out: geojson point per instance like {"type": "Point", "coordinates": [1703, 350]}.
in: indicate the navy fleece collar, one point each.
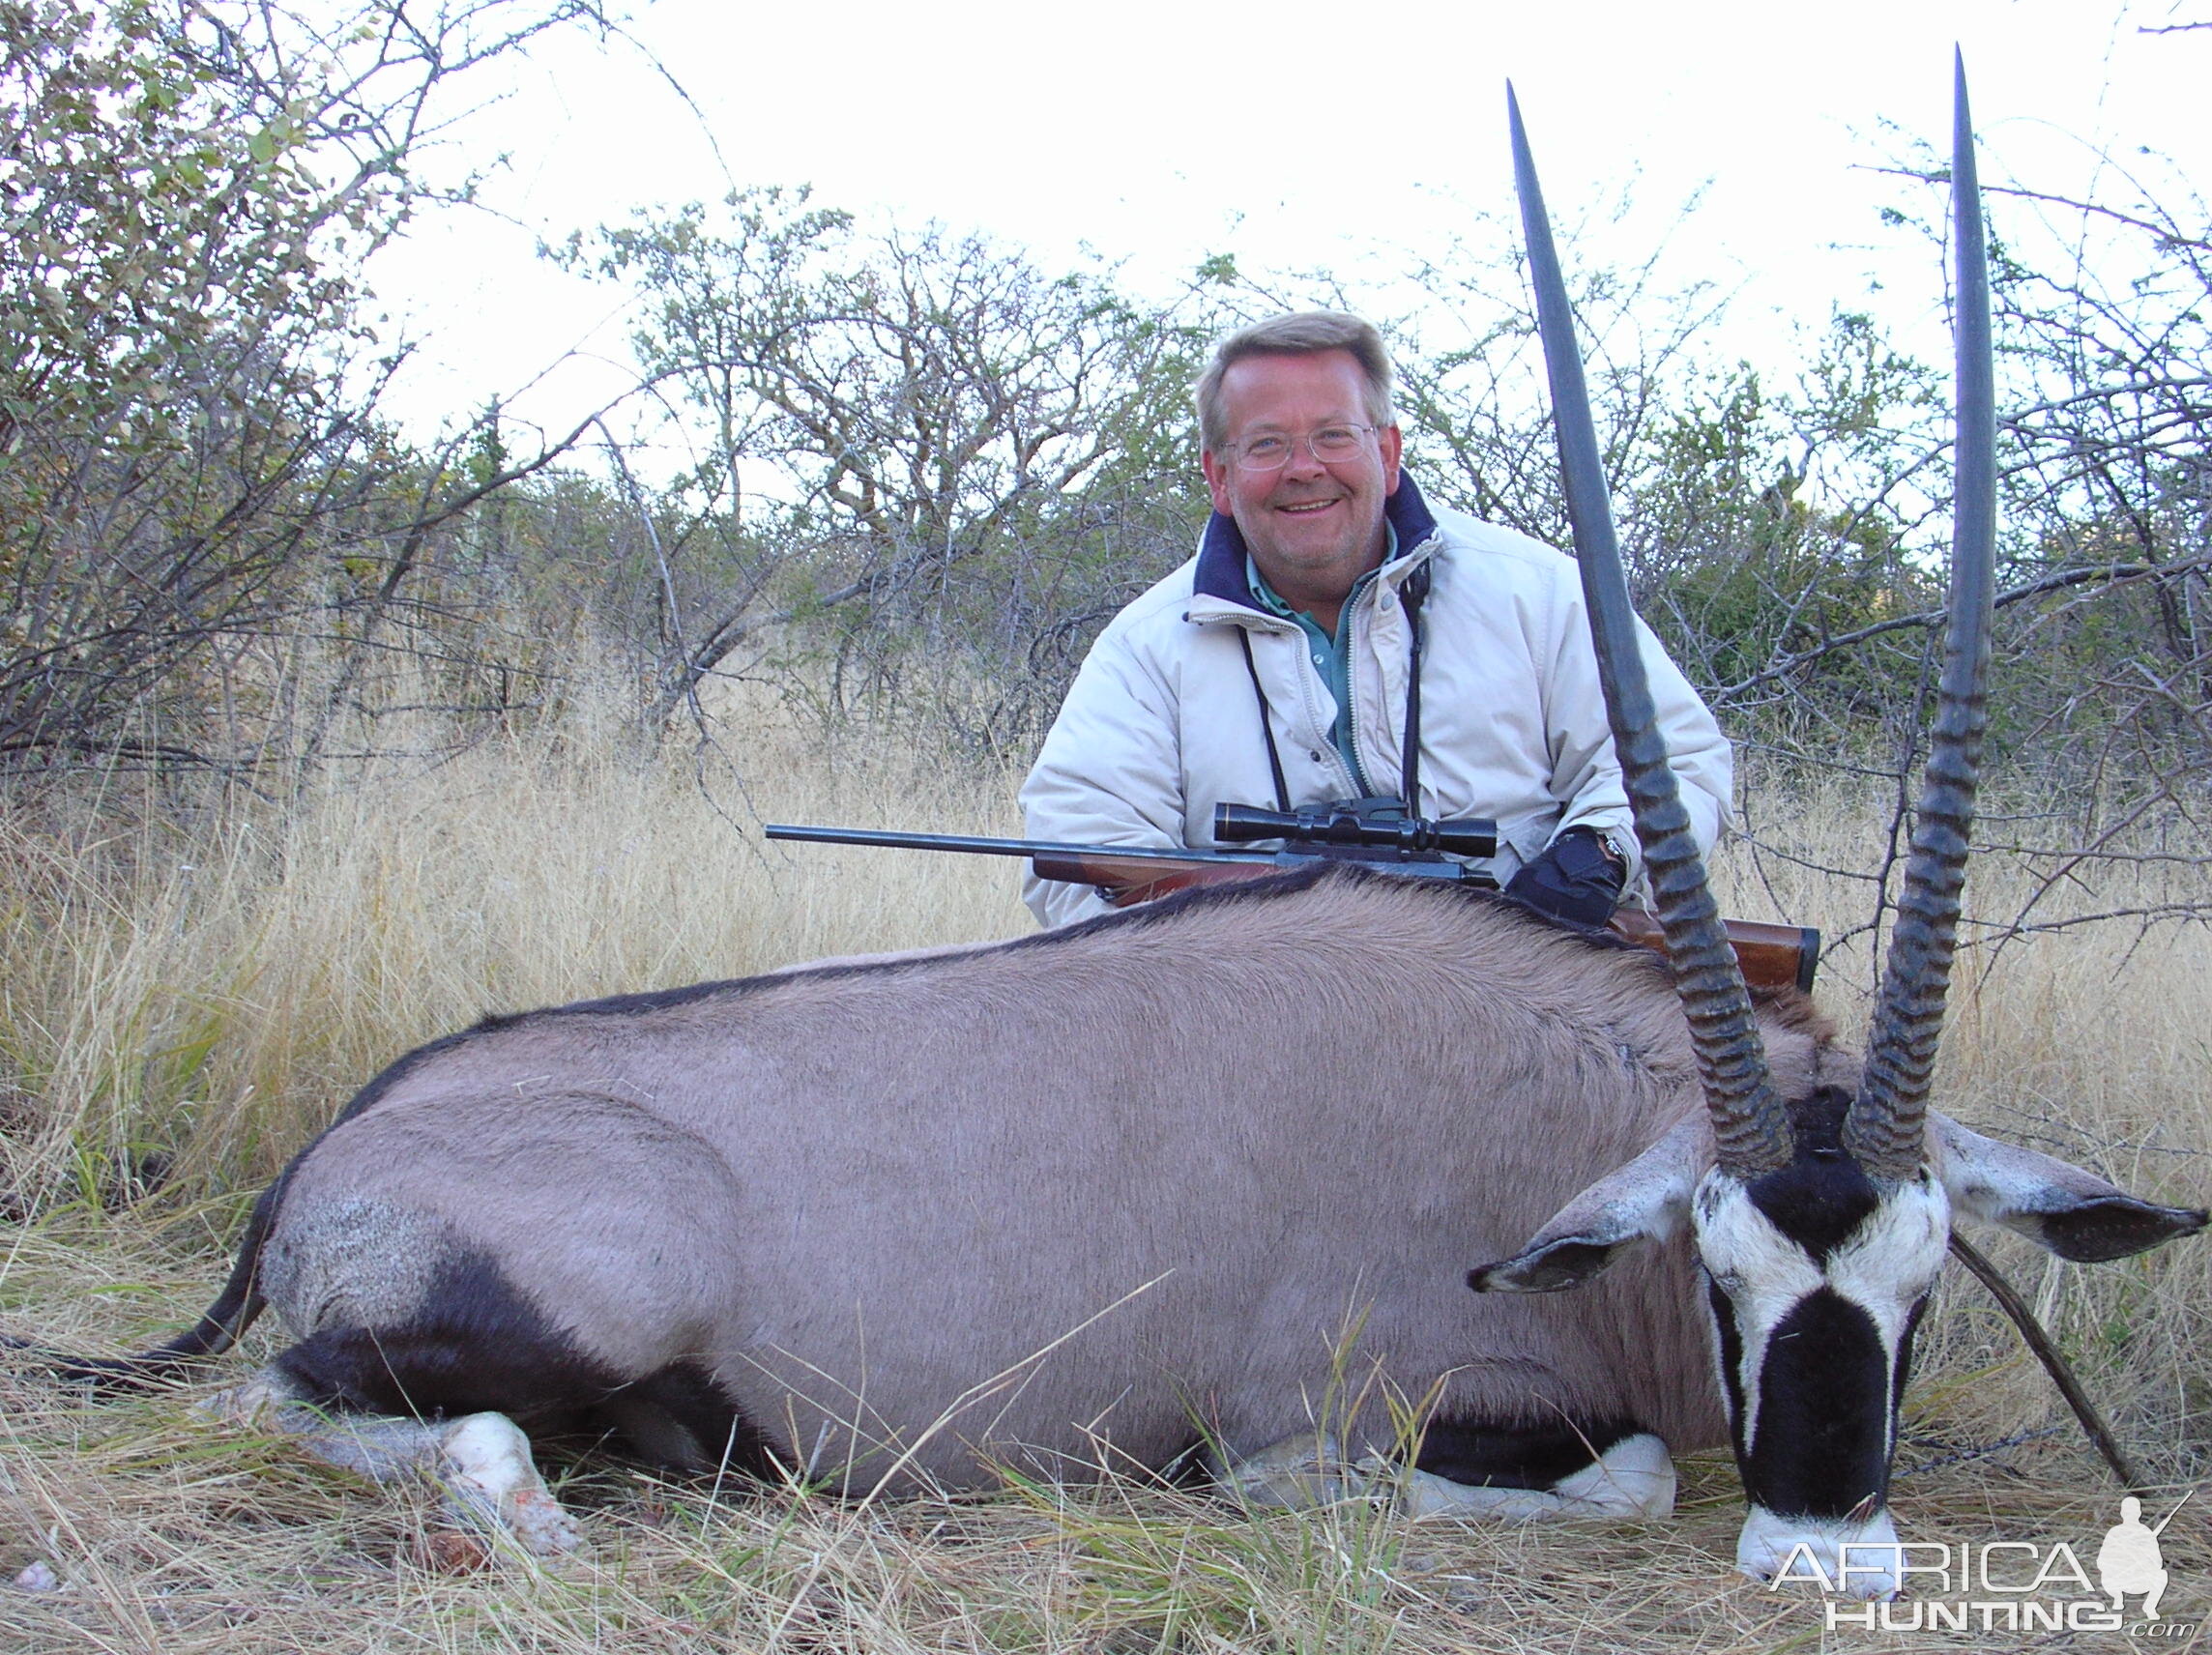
{"type": "Point", "coordinates": [1221, 551]}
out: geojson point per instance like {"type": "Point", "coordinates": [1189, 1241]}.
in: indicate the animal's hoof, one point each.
{"type": "Point", "coordinates": [1634, 1479]}
{"type": "Point", "coordinates": [490, 1478]}
{"type": "Point", "coordinates": [543, 1527]}
{"type": "Point", "coordinates": [1297, 1474]}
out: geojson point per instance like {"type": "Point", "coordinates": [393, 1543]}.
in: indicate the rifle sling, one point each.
{"type": "Point", "coordinates": [1266, 724]}
{"type": "Point", "coordinates": [1414, 591]}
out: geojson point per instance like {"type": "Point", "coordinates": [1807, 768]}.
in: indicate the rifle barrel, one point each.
{"type": "Point", "coordinates": [985, 847]}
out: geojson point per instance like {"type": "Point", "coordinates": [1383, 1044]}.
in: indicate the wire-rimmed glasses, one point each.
{"type": "Point", "coordinates": [1331, 445]}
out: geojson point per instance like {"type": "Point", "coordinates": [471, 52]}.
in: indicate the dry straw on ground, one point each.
{"type": "Point", "coordinates": [186, 999]}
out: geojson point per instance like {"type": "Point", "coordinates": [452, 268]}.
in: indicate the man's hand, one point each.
{"type": "Point", "coordinates": [1578, 879]}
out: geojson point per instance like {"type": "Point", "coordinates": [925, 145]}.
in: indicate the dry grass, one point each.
{"type": "Point", "coordinates": [211, 995]}
{"type": "Point", "coordinates": [212, 992]}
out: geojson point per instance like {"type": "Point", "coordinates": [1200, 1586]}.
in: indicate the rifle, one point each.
{"type": "Point", "coordinates": [1770, 955]}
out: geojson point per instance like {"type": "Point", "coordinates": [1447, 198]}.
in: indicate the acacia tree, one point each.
{"type": "Point", "coordinates": [2114, 361]}
{"type": "Point", "coordinates": [945, 444]}
{"type": "Point", "coordinates": [2102, 689]}
{"type": "Point", "coordinates": [1472, 377]}
{"type": "Point", "coordinates": [188, 391]}
{"type": "Point", "coordinates": [1766, 517]}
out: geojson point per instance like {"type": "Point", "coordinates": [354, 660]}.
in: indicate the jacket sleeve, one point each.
{"type": "Point", "coordinates": [1587, 779]}
{"type": "Point", "coordinates": [1110, 772]}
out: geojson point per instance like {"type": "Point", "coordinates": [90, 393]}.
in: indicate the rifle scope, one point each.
{"type": "Point", "coordinates": [1342, 824]}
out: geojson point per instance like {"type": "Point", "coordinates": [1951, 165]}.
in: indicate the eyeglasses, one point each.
{"type": "Point", "coordinates": [1331, 445]}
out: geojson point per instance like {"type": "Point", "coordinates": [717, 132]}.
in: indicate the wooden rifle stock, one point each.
{"type": "Point", "coordinates": [1770, 955]}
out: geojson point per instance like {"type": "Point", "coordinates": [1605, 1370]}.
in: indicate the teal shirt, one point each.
{"type": "Point", "coordinates": [1331, 655]}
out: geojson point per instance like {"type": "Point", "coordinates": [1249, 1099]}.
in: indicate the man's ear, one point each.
{"type": "Point", "coordinates": [1216, 472]}
{"type": "Point", "coordinates": [1394, 442]}
{"type": "Point", "coordinates": [2075, 1213]}
{"type": "Point", "coordinates": [1646, 1201]}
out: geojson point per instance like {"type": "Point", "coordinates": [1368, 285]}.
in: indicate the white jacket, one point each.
{"type": "Point", "coordinates": [1163, 723]}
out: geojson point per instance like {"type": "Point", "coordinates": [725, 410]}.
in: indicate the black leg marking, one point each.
{"type": "Point", "coordinates": [479, 1346]}
{"type": "Point", "coordinates": [678, 1419]}
{"type": "Point", "coordinates": [1539, 1456]}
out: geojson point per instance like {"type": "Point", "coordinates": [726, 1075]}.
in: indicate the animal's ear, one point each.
{"type": "Point", "coordinates": [1646, 1201]}
{"type": "Point", "coordinates": [2075, 1214]}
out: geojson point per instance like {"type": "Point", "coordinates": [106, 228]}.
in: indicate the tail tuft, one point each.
{"type": "Point", "coordinates": [217, 1330]}
{"type": "Point", "coordinates": [111, 1377]}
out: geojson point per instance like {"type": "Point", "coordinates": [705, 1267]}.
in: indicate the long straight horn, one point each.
{"type": "Point", "coordinates": [1887, 1121]}
{"type": "Point", "coordinates": [1751, 1128]}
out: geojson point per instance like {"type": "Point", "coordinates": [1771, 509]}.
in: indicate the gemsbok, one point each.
{"type": "Point", "coordinates": [1199, 1183]}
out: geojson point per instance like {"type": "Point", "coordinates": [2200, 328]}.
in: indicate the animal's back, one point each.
{"type": "Point", "coordinates": [1182, 1169]}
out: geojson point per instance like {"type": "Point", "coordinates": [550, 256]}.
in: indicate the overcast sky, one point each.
{"type": "Point", "coordinates": [1297, 135]}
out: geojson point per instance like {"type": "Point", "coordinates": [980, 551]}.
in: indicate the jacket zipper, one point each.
{"type": "Point", "coordinates": [1326, 743]}
{"type": "Point", "coordinates": [1316, 722]}
{"type": "Point", "coordinates": [1359, 776]}
{"type": "Point", "coordinates": [1352, 723]}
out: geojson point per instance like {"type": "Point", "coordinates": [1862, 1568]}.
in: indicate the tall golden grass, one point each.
{"type": "Point", "coordinates": [208, 995]}
{"type": "Point", "coordinates": [191, 987]}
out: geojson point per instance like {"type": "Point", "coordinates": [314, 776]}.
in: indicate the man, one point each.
{"type": "Point", "coordinates": [1331, 612]}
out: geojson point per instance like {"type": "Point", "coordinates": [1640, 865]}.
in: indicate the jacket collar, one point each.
{"type": "Point", "coordinates": [1221, 551]}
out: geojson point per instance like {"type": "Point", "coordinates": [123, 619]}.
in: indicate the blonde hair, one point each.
{"type": "Point", "coordinates": [1305, 333]}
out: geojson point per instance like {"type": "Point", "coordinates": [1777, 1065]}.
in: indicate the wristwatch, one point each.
{"type": "Point", "coordinates": [1612, 851]}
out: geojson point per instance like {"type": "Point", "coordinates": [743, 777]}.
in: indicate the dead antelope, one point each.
{"type": "Point", "coordinates": [1183, 1182]}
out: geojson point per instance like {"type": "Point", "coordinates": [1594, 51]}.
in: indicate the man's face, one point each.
{"type": "Point", "coordinates": [1313, 529]}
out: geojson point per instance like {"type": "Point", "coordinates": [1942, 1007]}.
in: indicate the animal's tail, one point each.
{"type": "Point", "coordinates": [217, 1329]}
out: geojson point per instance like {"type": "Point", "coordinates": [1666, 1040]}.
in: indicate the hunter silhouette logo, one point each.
{"type": "Point", "coordinates": [2130, 1561]}
{"type": "Point", "coordinates": [1999, 1586]}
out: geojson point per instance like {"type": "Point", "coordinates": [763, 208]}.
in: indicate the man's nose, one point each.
{"type": "Point", "coordinates": [1303, 461]}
